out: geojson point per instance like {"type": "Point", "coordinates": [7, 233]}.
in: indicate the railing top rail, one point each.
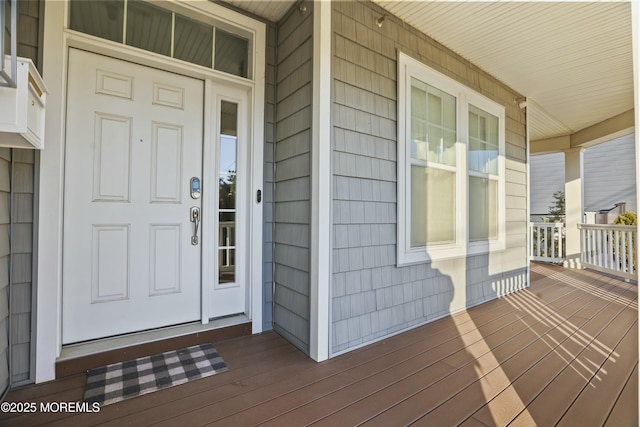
{"type": "Point", "coordinates": [547, 224]}
{"type": "Point", "coordinates": [608, 227]}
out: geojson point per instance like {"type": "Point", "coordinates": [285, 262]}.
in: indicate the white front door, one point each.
{"type": "Point", "coordinates": [134, 140]}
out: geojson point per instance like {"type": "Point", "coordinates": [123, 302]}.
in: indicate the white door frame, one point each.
{"type": "Point", "coordinates": [50, 198]}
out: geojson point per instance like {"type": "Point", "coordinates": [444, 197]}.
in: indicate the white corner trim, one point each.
{"type": "Point", "coordinates": [257, 137]}
{"type": "Point", "coordinates": [321, 183]}
{"type": "Point", "coordinates": [49, 268]}
{"type": "Point", "coordinates": [527, 127]}
{"type": "Point", "coordinates": [635, 30]}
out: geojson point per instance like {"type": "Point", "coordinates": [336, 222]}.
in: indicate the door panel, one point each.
{"type": "Point", "coordinates": [134, 141]}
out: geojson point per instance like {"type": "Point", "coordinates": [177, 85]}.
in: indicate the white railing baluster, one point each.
{"type": "Point", "coordinates": [594, 247]}
{"type": "Point", "coordinates": [544, 237]}
{"type": "Point", "coordinates": [616, 261]}
{"type": "Point", "coordinates": [609, 248]}
{"type": "Point", "coordinates": [606, 248]}
{"type": "Point", "coordinates": [623, 246]}
{"type": "Point", "coordinates": [599, 247]}
{"type": "Point", "coordinates": [538, 233]}
{"type": "Point", "coordinates": [530, 240]}
{"type": "Point", "coordinates": [583, 245]}
{"type": "Point", "coordinates": [633, 267]}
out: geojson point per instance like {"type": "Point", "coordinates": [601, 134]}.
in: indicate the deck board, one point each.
{"type": "Point", "coordinates": [151, 408]}
{"type": "Point", "coordinates": [563, 351]}
{"type": "Point", "coordinates": [577, 361]}
{"type": "Point", "coordinates": [549, 355]}
{"type": "Point", "coordinates": [623, 413]}
{"type": "Point", "coordinates": [517, 357]}
{"type": "Point", "coordinates": [377, 374]}
{"type": "Point", "coordinates": [459, 359]}
{"type": "Point", "coordinates": [599, 395]}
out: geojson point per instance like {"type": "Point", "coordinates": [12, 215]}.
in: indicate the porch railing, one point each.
{"type": "Point", "coordinates": [609, 249]}
{"type": "Point", "coordinates": [547, 241]}
{"type": "Point", "coordinates": [226, 245]}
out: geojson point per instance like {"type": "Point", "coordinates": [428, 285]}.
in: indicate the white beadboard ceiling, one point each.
{"type": "Point", "coordinates": [572, 59]}
{"type": "Point", "coordinates": [272, 10]}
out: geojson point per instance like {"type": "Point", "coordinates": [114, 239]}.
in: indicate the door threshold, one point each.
{"type": "Point", "coordinates": [76, 358]}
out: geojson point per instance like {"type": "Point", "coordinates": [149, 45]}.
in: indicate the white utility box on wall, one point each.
{"type": "Point", "coordinates": [22, 108]}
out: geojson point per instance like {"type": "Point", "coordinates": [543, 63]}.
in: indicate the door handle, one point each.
{"type": "Point", "coordinates": [194, 216]}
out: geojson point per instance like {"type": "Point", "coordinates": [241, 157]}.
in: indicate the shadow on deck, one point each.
{"type": "Point", "coordinates": [562, 352]}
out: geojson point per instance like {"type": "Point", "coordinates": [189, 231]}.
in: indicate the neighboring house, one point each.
{"type": "Point", "coordinates": [328, 171]}
{"type": "Point", "coordinates": [609, 177]}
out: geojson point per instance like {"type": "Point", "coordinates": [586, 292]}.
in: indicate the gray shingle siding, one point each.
{"type": "Point", "coordinates": [292, 161]}
{"type": "Point", "coordinates": [28, 29]}
{"type": "Point", "coordinates": [22, 196]}
{"type": "Point", "coordinates": [370, 296]}
{"type": "Point", "coordinates": [16, 241]}
{"type": "Point", "coordinates": [16, 253]}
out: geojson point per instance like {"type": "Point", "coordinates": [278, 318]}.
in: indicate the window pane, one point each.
{"type": "Point", "coordinates": [226, 247]}
{"type": "Point", "coordinates": [227, 186]}
{"type": "Point", "coordinates": [442, 145]}
{"type": "Point", "coordinates": [435, 108]}
{"type": "Point", "coordinates": [432, 206]}
{"type": "Point", "coordinates": [227, 163]}
{"type": "Point", "coordinates": [448, 156]}
{"type": "Point", "coordinates": [483, 141]}
{"type": "Point", "coordinates": [232, 53]}
{"type": "Point", "coordinates": [193, 41]}
{"type": "Point", "coordinates": [227, 232]}
{"type": "Point", "coordinates": [6, 28]}
{"type": "Point", "coordinates": [148, 27]}
{"type": "Point", "coordinates": [228, 154]}
{"type": "Point", "coordinates": [483, 208]}
{"type": "Point", "coordinates": [98, 18]}
{"type": "Point", "coordinates": [227, 179]}
{"type": "Point", "coordinates": [418, 120]}
{"type": "Point", "coordinates": [433, 124]}
{"type": "Point", "coordinates": [228, 118]}
{"type": "Point", "coordinates": [226, 265]}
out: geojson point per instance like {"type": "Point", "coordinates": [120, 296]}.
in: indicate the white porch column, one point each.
{"type": "Point", "coordinates": [635, 27]}
{"type": "Point", "coordinates": [321, 180]}
{"type": "Point", "coordinates": [573, 173]}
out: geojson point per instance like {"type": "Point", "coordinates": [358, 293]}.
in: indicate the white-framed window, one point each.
{"type": "Point", "coordinates": [451, 191]}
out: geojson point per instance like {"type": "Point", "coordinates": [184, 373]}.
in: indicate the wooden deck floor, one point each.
{"type": "Point", "coordinates": [563, 352]}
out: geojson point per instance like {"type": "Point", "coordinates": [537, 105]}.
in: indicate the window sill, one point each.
{"type": "Point", "coordinates": [427, 255]}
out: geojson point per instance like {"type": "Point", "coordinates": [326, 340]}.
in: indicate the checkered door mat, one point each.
{"type": "Point", "coordinates": [124, 380]}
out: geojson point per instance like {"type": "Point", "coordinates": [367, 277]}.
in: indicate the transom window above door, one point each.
{"type": "Point", "coordinates": [146, 26]}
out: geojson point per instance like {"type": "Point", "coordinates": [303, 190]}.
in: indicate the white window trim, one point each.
{"type": "Point", "coordinates": [406, 255]}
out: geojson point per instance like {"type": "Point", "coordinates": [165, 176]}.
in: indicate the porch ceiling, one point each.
{"type": "Point", "coordinates": [573, 60]}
